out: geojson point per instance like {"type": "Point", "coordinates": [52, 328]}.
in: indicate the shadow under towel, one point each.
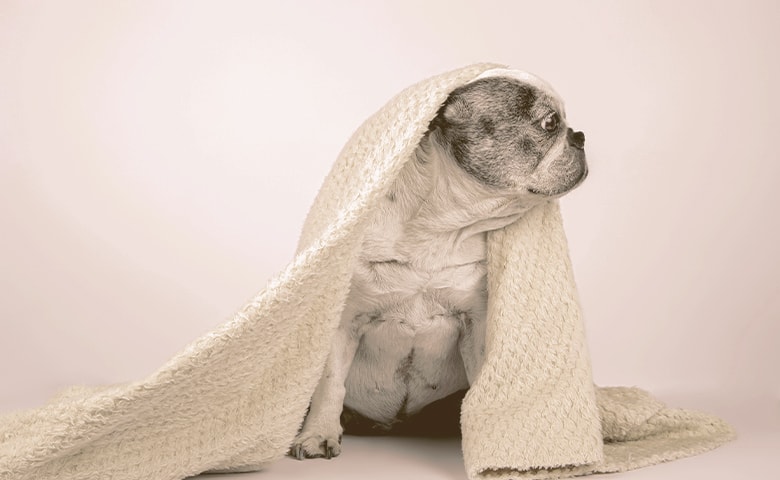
{"type": "Point", "coordinates": [235, 398]}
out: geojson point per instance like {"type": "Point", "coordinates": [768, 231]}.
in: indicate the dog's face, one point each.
{"type": "Point", "coordinates": [509, 131]}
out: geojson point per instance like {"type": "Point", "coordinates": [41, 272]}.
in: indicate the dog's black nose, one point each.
{"type": "Point", "coordinates": [576, 139]}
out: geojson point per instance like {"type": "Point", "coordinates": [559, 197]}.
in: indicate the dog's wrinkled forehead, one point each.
{"type": "Point", "coordinates": [525, 78]}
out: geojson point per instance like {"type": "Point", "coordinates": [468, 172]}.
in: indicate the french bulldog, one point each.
{"type": "Point", "coordinates": [413, 326]}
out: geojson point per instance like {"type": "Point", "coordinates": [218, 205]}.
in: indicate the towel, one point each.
{"type": "Point", "coordinates": [234, 399]}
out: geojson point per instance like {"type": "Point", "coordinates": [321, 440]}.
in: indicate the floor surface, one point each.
{"type": "Point", "coordinates": [751, 456]}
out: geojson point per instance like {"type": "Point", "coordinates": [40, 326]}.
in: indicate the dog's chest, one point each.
{"type": "Point", "coordinates": [412, 294]}
{"type": "Point", "coordinates": [418, 272]}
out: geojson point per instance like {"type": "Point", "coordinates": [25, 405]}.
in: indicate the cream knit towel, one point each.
{"type": "Point", "coordinates": [234, 399]}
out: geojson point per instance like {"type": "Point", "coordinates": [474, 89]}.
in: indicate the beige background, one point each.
{"type": "Point", "coordinates": [157, 160]}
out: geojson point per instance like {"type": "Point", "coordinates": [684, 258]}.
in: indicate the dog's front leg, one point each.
{"type": "Point", "coordinates": [321, 432]}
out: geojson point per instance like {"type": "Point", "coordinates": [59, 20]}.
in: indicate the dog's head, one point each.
{"type": "Point", "coordinates": [508, 130]}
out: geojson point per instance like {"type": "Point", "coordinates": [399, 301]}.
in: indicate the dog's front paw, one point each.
{"type": "Point", "coordinates": [314, 445]}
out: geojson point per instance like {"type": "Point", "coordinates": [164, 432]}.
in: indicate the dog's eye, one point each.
{"type": "Point", "coordinates": [551, 122]}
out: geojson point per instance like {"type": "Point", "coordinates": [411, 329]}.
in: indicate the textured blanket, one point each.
{"type": "Point", "coordinates": [234, 399]}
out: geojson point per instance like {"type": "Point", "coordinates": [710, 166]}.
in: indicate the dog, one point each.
{"type": "Point", "coordinates": [413, 326]}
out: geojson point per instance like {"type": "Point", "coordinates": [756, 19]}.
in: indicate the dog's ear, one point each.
{"type": "Point", "coordinates": [456, 110]}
